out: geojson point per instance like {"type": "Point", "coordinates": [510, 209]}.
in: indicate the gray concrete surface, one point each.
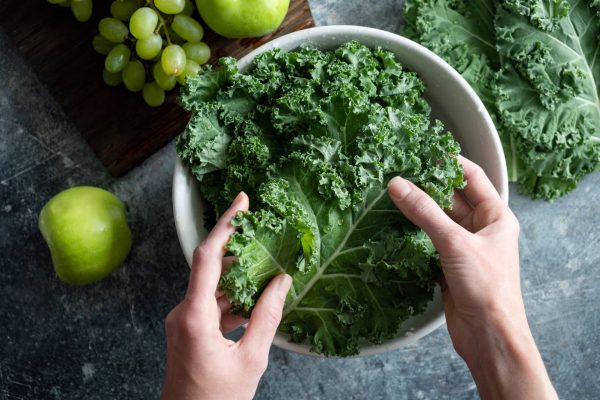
{"type": "Point", "coordinates": [106, 341]}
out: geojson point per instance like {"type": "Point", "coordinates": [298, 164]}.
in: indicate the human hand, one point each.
{"type": "Point", "coordinates": [201, 362]}
{"type": "Point", "coordinates": [478, 245]}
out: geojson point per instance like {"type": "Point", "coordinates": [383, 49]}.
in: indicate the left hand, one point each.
{"type": "Point", "coordinates": [201, 362]}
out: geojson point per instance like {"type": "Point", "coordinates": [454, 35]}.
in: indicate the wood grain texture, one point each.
{"type": "Point", "coordinates": [119, 127]}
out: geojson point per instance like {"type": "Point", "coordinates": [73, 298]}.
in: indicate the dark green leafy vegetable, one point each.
{"type": "Point", "coordinates": [534, 64]}
{"type": "Point", "coordinates": [313, 137]}
{"type": "Point", "coordinates": [548, 91]}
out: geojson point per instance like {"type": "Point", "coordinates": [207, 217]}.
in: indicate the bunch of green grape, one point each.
{"type": "Point", "coordinates": [82, 9]}
{"type": "Point", "coordinates": [150, 46]}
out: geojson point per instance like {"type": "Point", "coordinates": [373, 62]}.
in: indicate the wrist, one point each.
{"type": "Point", "coordinates": [499, 330]}
{"type": "Point", "coordinates": [507, 363]}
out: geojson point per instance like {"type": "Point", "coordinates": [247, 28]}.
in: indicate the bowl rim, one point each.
{"type": "Point", "coordinates": [180, 171]}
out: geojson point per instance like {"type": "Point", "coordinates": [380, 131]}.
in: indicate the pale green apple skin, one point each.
{"type": "Point", "coordinates": [243, 18]}
{"type": "Point", "coordinates": [86, 230]}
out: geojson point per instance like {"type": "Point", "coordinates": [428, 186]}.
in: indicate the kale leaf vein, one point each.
{"type": "Point", "coordinates": [313, 137]}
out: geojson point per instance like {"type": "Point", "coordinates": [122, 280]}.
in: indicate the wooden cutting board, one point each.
{"type": "Point", "coordinates": [120, 128]}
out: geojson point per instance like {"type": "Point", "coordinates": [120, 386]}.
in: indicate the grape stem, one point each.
{"type": "Point", "coordinates": [161, 22]}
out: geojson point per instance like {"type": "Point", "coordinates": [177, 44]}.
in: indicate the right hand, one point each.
{"type": "Point", "coordinates": [478, 245]}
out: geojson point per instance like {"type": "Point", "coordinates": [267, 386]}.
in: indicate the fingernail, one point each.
{"type": "Point", "coordinates": [238, 198]}
{"type": "Point", "coordinates": [399, 188]}
{"type": "Point", "coordinates": [283, 286]}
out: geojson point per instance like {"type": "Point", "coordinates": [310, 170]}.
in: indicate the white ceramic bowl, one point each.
{"type": "Point", "coordinates": [453, 101]}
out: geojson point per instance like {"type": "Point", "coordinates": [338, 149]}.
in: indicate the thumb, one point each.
{"type": "Point", "coordinates": [266, 316]}
{"type": "Point", "coordinates": [423, 211]}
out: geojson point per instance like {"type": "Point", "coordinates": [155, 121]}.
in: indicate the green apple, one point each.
{"type": "Point", "coordinates": [86, 230]}
{"type": "Point", "coordinates": [243, 18]}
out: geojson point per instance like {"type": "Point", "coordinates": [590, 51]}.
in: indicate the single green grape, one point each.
{"type": "Point", "coordinates": [149, 48]}
{"type": "Point", "coordinates": [112, 78]}
{"type": "Point", "coordinates": [82, 9]}
{"type": "Point", "coordinates": [188, 9]}
{"type": "Point", "coordinates": [173, 60]}
{"type": "Point", "coordinates": [117, 58]}
{"type": "Point", "coordinates": [143, 23]}
{"type": "Point", "coordinates": [199, 52]}
{"type": "Point", "coordinates": [170, 6]}
{"type": "Point", "coordinates": [112, 29]}
{"type": "Point", "coordinates": [191, 69]}
{"type": "Point", "coordinates": [134, 76]}
{"type": "Point", "coordinates": [188, 28]}
{"type": "Point", "coordinates": [153, 94]}
{"type": "Point", "coordinates": [163, 80]}
{"type": "Point", "coordinates": [123, 9]}
{"type": "Point", "coordinates": [102, 45]}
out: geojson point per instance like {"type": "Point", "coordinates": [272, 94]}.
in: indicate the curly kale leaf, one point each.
{"type": "Point", "coordinates": [533, 64]}
{"type": "Point", "coordinates": [359, 268]}
{"type": "Point", "coordinates": [548, 90]}
{"type": "Point", "coordinates": [313, 137]}
{"type": "Point", "coordinates": [463, 34]}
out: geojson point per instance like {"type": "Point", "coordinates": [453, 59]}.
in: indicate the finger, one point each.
{"type": "Point", "coordinates": [206, 267]}
{"type": "Point", "coordinates": [423, 211]}
{"type": "Point", "coordinates": [219, 236]}
{"type": "Point", "coordinates": [230, 322]}
{"type": "Point", "coordinates": [460, 208]}
{"type": "Point", "coordinates": [266, 316]}
{"type": "Point", "coordinates": [479, 188]}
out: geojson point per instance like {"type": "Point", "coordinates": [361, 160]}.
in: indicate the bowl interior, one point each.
{"type": "Point", "coordinates": [452, 100]}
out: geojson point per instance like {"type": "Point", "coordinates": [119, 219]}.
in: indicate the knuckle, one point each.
{"type": "Point", "coordinates": [476, 173]}
{"type": "Point", "coordinates": [491, 208]}
{"type": "Point", "coordinates": [421, 205]}
{"type": "Point", "coordinates": [171, 321]}
{"type": "Point", "coordinates": [202, 252]}
{"type": "Point", "coordinates": [188, 325]}
{"type": "Point", "coordinates": [453, 242]}
{"type": "Point", "coordinates": [490, 211]}
{"type": "Point", "coordinates": [272, 316]}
